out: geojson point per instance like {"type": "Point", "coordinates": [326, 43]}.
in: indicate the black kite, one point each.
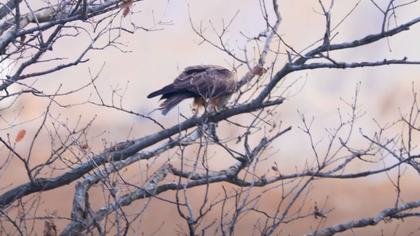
{"type": "Point", "coordinates": [211, 86]}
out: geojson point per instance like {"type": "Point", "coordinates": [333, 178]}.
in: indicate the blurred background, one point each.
{"type": "Point", "coordinates": [154, 58]}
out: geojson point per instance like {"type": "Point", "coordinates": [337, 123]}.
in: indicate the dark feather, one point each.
{"type": "Point", "coordinates": [192, 70]}
{"type": "Point", "coordinates": [171, 102]}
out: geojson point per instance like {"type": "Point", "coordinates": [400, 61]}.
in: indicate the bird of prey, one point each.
{"type": "Point", "coordinates": [211, 86]}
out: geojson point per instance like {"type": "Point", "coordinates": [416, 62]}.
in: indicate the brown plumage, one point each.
{"type": "Point", "coordinates": [210, 86]}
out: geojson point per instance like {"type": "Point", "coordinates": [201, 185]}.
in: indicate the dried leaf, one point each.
{"type": "Point", "coordinates": [20, 135]}
{"type": "Point", "coordinates": [126, 7]}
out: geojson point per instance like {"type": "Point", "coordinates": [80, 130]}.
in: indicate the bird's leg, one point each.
{"type": "Point", "coordinates": [195, 110]}
{"type": "Point", "coordinates": [221, 103]}
{"type": "Point", "coordinates": [212, 106]}
{"type": "Point", "coordinates": [198, 102]}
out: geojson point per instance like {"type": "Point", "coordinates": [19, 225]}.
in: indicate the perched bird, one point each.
{"type": "Point", "coordinates": [211, 87]}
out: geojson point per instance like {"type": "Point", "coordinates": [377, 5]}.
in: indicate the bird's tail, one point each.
{"type": "Point", "coordinates": [155, 93]}
{"type": "Point", "coordinates": [171, 102]}
{"type": "Point", "coordinates": [166, 89]}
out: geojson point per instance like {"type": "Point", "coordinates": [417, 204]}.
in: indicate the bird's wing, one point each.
{"type": "Point", "coordinates": [206, 81]}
